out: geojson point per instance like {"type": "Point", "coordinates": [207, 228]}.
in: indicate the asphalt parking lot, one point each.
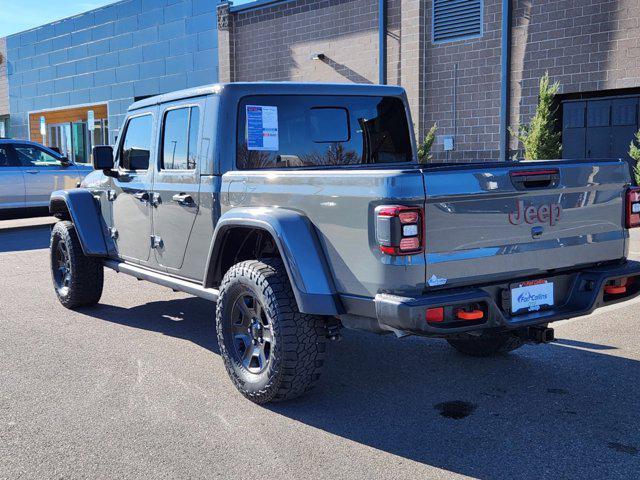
{"type": "Point", "coordinates": [135, 388]}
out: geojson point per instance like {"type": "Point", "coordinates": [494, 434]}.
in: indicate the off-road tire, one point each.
{"type": "Point", "coordinates": [487, 344]}
{"type": "Point", "coordinates": [298, 352]}
{"type": "Point", "coordinates": [86, 274]}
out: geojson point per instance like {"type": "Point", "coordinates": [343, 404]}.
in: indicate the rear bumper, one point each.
{"type": "Point", "coordinates": [580, 293]}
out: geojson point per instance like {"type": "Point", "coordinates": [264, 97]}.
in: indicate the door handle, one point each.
{"type": "Point", "coordinates": [183, 199]}
{"type": "Point", "coordinates": [142, 196]}
{"type": "Point", "coordinates": [33, 172]}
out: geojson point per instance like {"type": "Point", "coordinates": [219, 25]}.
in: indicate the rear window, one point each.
{"type": "Point", "coordinates": [309, 131]}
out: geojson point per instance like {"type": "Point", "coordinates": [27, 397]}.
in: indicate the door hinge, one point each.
{"type": "Point", "coordinates": [113, 233]}
{"type": "Point", "coordinates": [111, 195]}
{"type": "Point", "coordinates": [156, 241]}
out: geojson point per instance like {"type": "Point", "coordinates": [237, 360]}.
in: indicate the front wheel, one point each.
{"type": "Point", "coordinates": [77, 279]}
{"type": "Point", "coordinates": [486, 344]}
{"type": "Point", "coordinates": [271, 351]}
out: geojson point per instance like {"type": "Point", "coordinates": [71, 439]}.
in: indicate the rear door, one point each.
{"type": "Point", "coordinates": [177, 181]}
{"type": "Point", "coordinates": [12, 191]}
{"type": "Point", "coordinates": [503, 222]}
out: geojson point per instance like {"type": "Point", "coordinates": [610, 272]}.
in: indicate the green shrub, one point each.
{"type": "Point", "coordinates": [424, 149]}
{"type": "Point", "coordinates": [539, 139]}
{"type": "Point", "coordinates": [634, 153]}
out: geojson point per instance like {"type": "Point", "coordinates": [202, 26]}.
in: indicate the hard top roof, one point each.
{"type": "Point", "coordinates": [276, 88]}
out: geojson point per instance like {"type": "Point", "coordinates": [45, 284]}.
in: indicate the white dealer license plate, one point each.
{"type": "Point", "coordinates": [531, 296]}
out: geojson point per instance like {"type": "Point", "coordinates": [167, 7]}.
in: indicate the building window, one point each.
{"type": "Point", "coordinates": [4, 127]}
{"type": "Point", "coordinates": [456, 20]}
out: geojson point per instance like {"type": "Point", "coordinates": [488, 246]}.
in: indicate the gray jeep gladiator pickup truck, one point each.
{"type": "Point", "coordinates": [301, 208]}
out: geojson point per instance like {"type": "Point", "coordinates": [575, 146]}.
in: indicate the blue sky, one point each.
{"type": "Point", "coordinates": [19, 15]}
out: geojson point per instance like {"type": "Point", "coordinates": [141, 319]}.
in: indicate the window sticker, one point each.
{"type": "Point", "coordinates": [262, 128]}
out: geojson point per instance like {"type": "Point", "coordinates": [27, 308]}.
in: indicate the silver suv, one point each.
{"type": "Point", "coordinates": [30, 172]}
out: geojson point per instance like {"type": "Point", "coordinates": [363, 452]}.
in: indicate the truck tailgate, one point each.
{"type": "Point", "coordinates": [496, 222]}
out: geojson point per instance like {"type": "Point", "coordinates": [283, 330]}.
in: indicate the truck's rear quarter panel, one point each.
{"type": "Point", "coordinates": [340, 204]}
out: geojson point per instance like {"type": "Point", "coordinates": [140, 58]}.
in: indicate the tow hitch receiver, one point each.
{"type": "Point", "coordinates": [537, 334]}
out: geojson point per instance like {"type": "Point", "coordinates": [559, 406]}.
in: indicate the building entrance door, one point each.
{"type": "Point", "coordinates": [59, 137]}
{"type": "Point", "coordinates": [80, 141]}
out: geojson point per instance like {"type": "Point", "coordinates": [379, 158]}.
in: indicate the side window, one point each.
{"type": "Point", "coordinates": [6, 160]}
{"type": "Point", "coordinates": [329, 125]}
{"type": "Point", "coordinates": [136, 147]}
{"type": "Point", "coordinates": [29, 156]}
{"type": "Point", "coordinates": [180, 139]}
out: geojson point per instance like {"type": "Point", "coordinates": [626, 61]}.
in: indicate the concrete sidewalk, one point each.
{"type": "Point", "coordinates": [16, 223]}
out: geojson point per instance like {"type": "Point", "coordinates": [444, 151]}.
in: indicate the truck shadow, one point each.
{"type": "Point", "coordinates": [25, 238]}
{"type": "Point", "coordinates": [543, 411]}
{"type": "Point", "coordinates": [189, 319]}
{"type": "Point", "coordinates": [558, 410]}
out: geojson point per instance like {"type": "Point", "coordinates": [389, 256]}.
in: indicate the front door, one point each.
{"type": "Point", "coordinates": [176, 185]}
{"type": "Point", "coordinates": [43, 173]}
{"type": "Point", "coordinates": [131, 193]}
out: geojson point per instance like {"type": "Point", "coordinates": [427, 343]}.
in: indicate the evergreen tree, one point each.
{"type": "Point", "coordinates": [634, 153]}
{"type": "Point", "coordinates": [540, 139]}
{"type": "Point", "coordinates": [424, 149]}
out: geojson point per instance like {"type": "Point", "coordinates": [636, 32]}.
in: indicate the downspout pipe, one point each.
{"type": "Point", "coordinates": [382, 42]}
{"type": "Point", "coordinates": [505, 71]}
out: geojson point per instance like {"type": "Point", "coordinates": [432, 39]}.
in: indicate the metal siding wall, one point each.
{"type": "Point", "coordinates": [113, 54]}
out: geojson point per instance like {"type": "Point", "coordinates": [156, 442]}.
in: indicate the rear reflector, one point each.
{"type": "Point", "coordinates": [633, 207]}
{"type": "Point", "coordinates": [409, 244]}
{"type": "Point", "coordinates": [435, 315]}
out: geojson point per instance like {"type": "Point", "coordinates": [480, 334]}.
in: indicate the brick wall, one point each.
{"type": "Point", "coordinates": [587, 46]}
{"type": "Point", "coordinates": [128, 49]}
{"type": "Point", "coordinates": [4, 83]}
{"type": "Point", "coordinates": [277, 43]}
{"type": "Point", "coordinates": [462, 90]}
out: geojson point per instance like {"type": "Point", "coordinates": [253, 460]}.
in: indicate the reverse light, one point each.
{"type": "Point", "coordinates": [399, 229]}
{"type": "Point", "coordinates": [633, 207]}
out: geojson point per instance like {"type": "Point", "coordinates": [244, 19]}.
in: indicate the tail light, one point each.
{"type": "Point", "coordinates": [633, 207]}
{"type": "Point", "coordinates": [399, 229]}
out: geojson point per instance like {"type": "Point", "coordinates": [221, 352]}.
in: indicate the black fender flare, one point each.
{"type": "Point", "coordinates": [299, 247]}
{"type": "Point", "coordinates": [81, 206]}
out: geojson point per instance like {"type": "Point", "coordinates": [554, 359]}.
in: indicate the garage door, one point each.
{"type": "Point", "coordinates": [601, 128]}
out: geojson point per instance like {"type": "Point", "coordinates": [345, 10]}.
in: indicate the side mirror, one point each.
{"type": "Point", "coordinates": [65, 162]}
{"type": "Point", "coordinates": [103, 159]}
